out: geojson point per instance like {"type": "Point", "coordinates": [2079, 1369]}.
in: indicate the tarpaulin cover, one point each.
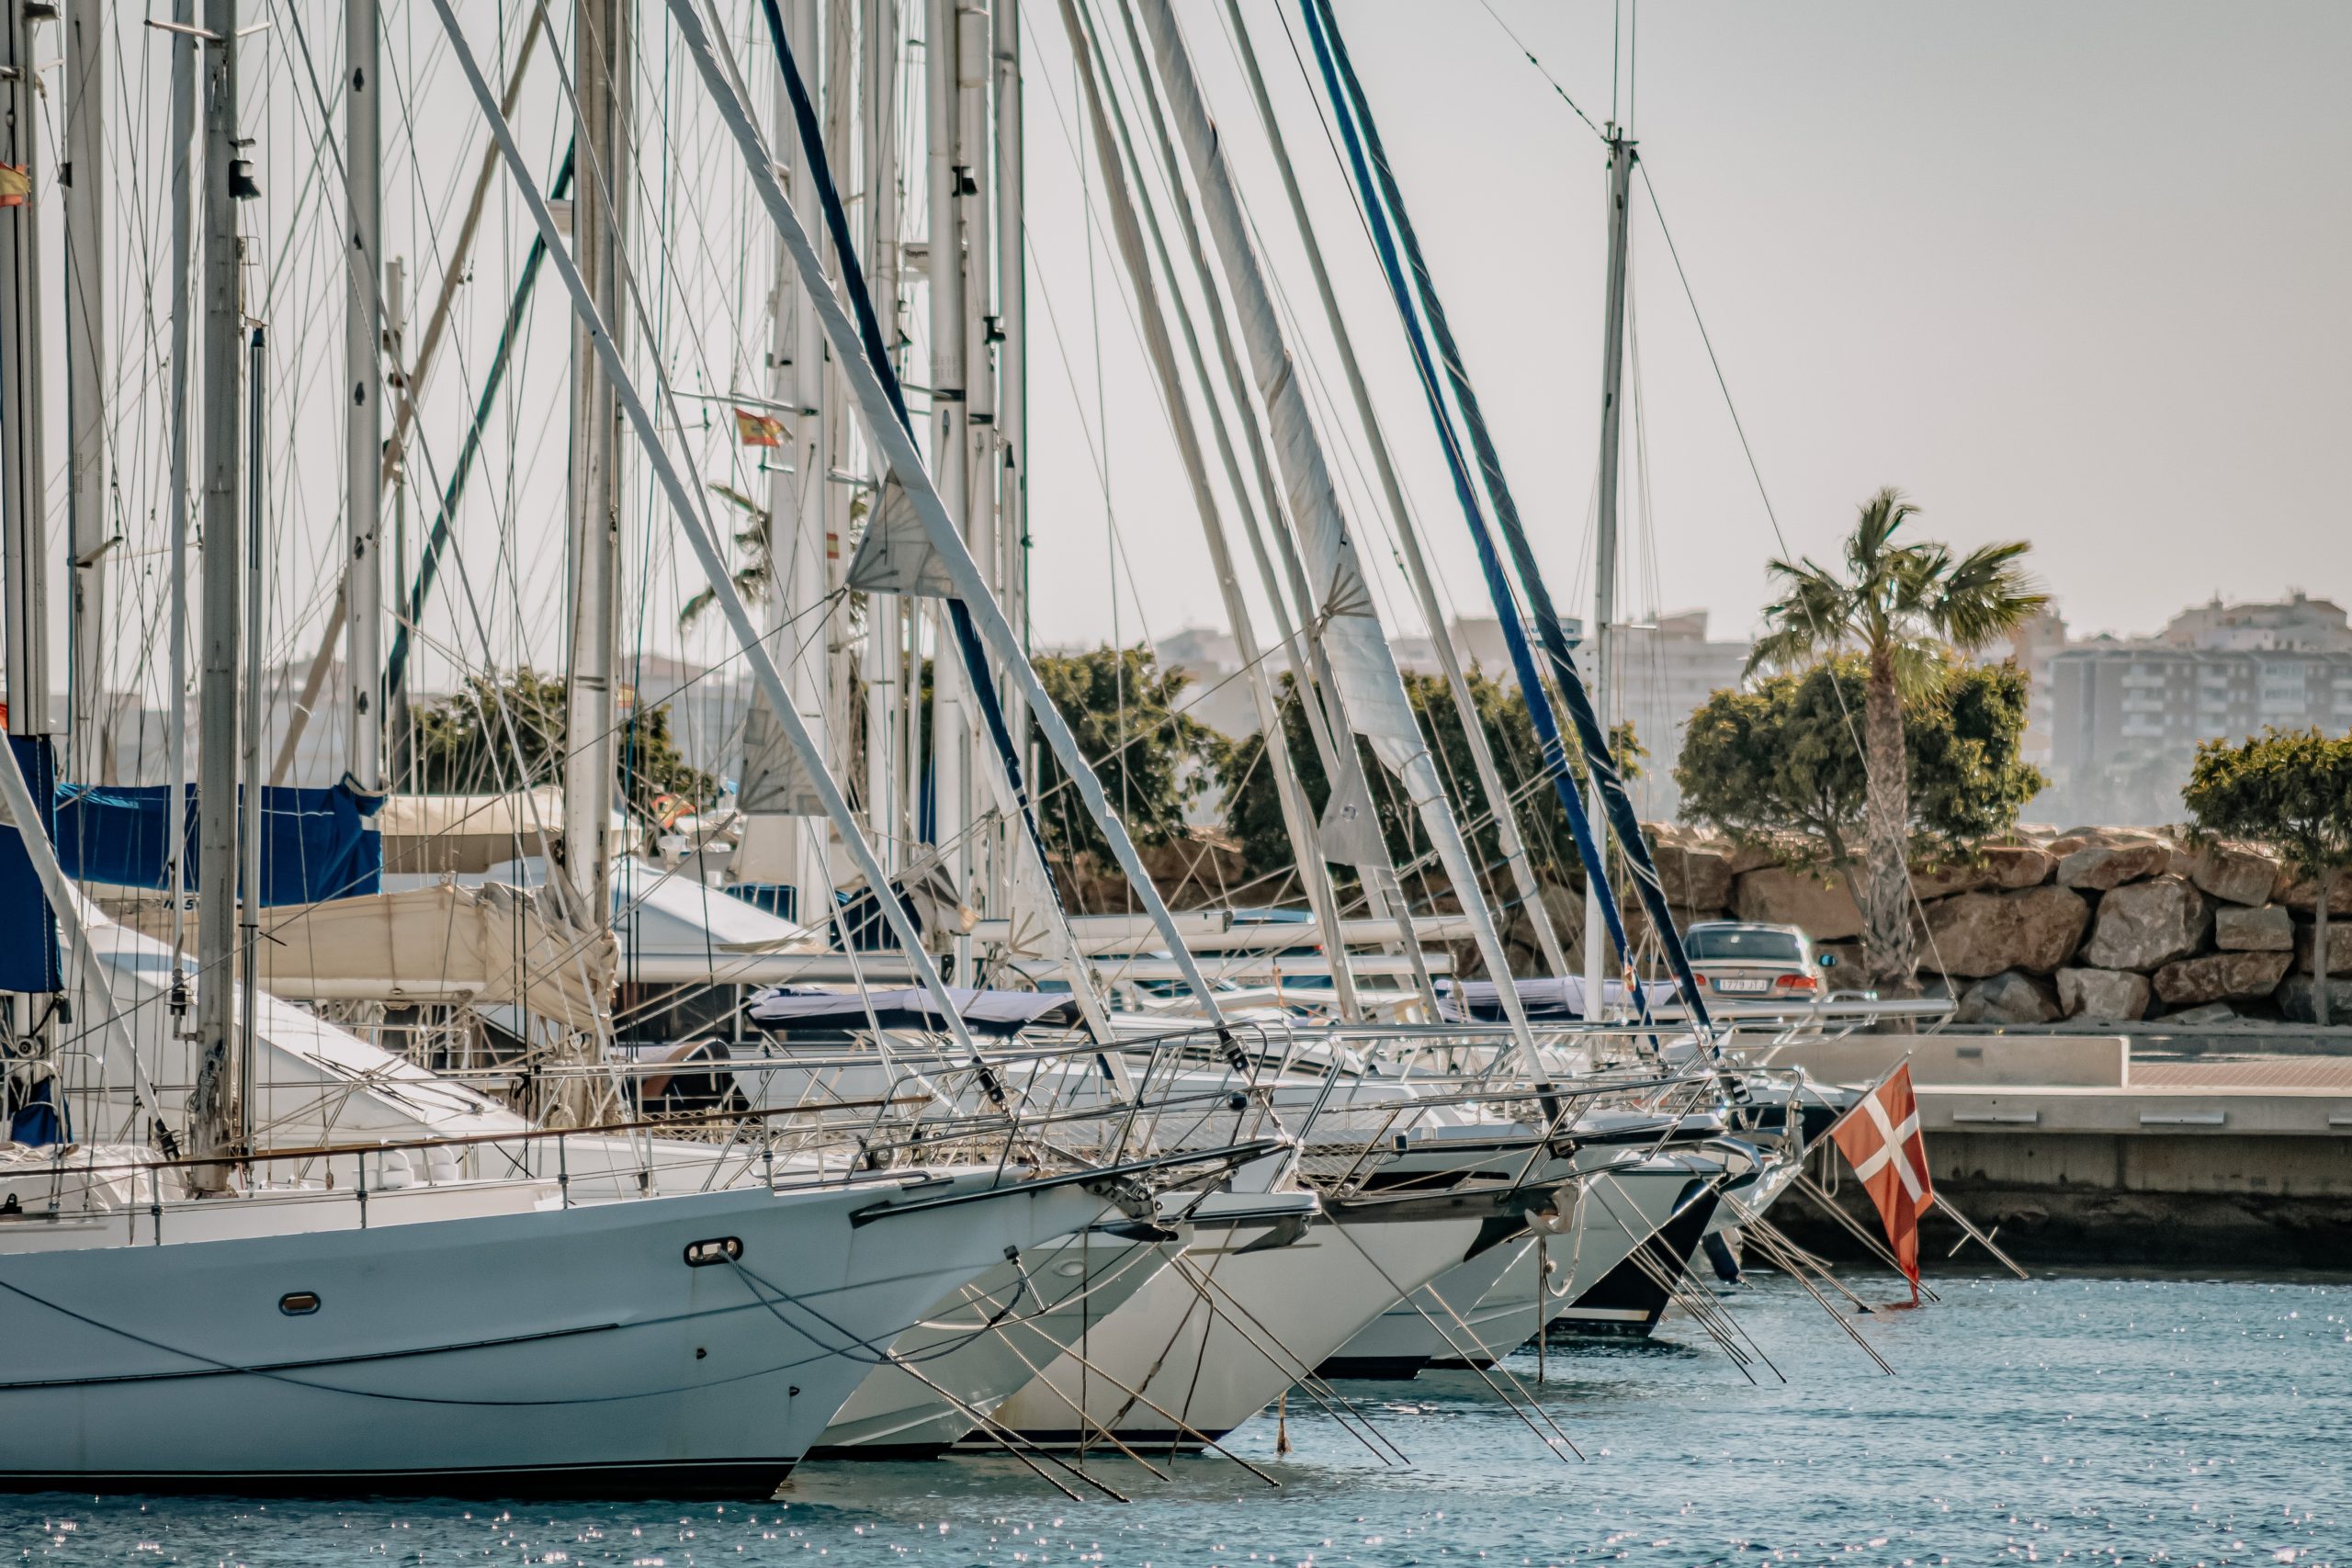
{"type": "Point", "coordinates": [316, 844]}
{"type": "Point", "coordinates": [27, 925]}
{"type": "Point", "coordinates": [985, 1012]}
{"type": "Point", "coordinates": [1555, 998]}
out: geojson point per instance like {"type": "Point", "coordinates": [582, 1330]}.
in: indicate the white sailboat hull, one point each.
{"type": "Point", "coordinates": [1210, 1342]}
{"type": "Point", "coordinates": [1489, 1305]}
{"type": "Point", "coordinates": [985, 1340]}
{"type": "Point", "coordinates": [561, 1350]}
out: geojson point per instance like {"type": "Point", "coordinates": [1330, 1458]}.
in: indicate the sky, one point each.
{"type": "Point", "coordinates": [2074, 275]}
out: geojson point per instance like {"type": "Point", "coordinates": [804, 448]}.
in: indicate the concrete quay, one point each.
{"type": "Point", "coordinates": [2075, 1152]}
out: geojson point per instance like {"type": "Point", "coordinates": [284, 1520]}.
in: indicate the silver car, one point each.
{"type": "Point", "coordinates": [1738, 960]}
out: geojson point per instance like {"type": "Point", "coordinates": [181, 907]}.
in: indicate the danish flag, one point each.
{"type": "Point", "coordinates": [1880, 1137]}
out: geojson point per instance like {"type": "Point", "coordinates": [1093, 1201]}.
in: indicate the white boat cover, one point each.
{"type": "Point", "coordinates": [491, 944]}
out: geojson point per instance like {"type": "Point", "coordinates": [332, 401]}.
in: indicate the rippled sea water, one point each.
{"type": "Point", "coordinates": [2072, 1419]}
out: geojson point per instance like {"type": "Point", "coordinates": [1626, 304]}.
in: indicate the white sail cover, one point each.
{"type": "Point", "coordinates": [493, 945]}
{"type": "Point", "coordinates": [1361, 665]}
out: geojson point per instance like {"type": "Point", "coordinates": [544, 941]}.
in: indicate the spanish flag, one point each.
{"type": "Point", "coordinates": [758, 429]}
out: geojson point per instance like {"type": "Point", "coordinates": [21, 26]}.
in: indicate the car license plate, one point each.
{"type": "Point", "coordinates": [1728, 983]}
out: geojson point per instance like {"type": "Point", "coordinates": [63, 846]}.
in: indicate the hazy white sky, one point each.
{"type": "Point", "coordinates": [2072, 273]}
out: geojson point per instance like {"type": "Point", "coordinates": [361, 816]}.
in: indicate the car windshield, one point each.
{"type": "Point", "coordinates": [1745, 941]}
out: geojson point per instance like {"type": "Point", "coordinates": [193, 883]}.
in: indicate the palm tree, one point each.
{"type": "Point", "coordinates": [755, 579]}
{"type": "Point", "coordinates": [1902, 607]}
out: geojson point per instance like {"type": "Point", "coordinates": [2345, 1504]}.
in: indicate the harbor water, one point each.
{"type": "Point", "coordinates": [2068, 1419]}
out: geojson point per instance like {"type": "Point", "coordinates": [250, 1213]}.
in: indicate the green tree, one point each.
{"type": "Point", "coordinates": [465, 743]}
{"type": "Point", "coordinates": [2292, 791]}
{"type": "Point", "coordinates": [1778, 758]}
{"type": "Point", "coordinates": [1154, 759]}
{"type": "Point", "coordinates": [1900, 605]}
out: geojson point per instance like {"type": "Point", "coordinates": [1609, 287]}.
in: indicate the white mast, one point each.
{"type": "Point", "coordinates": [600, 48]}
{"type": "Point", "coordinates": [216, 1110]}
{"type": "Point", "coordinates": [24, 465]}
{"type": "Point", "coordinates": [950, 429]}
{"type": "Point", "coordinates": [363, 403]}
{"type": "Point", "coordinates": [884, 656]}
{"type": "Point", "coordinates": [1013, 344]}
{"type": "Point", "coordinates": [781, 841]}
{"type": "Point", "coordinates": [86, 389]}
{"type": "Point", "coordinates": [185, 51]}
{"type": "Point", "coordinates": [1604, 556]}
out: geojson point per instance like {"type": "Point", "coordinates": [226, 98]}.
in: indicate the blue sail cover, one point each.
{"type": "Point", "coordinates": [316, 844]}
{"type": "Point", "coordinates": [27, 925]}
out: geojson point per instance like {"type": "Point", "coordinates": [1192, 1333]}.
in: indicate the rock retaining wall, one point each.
{"type": "Point", "coordinates": [2105, 925]}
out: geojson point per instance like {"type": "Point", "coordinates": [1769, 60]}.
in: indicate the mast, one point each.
{"type": "Point", "coordinates": [24, 491]}
{"type": "Point", "coordinates": [1474, 730]}
{"type": "Point", "coordinates": [784, 844]}
{"type": "Point", "coordinates": [1604, 556]}
{"type": "Point", "coordinates": [86, 393]}
{"type": "Point", "coordinates": [363, 403]}
{"type": "Point", "coordinates": [249, 798]}
{"type": "Point", "coordinates": [878, 65]}
{"type": "Point", "coordinates": [601, 47]}
{"type": "Point", "coordinates": [950, 426]}
{"type": "Point", "coordinates": [1012, 334]}
{"type": "Point", "coordinates": [185, 51]}
{"type": "Point", "coordinates": [216, 1110]}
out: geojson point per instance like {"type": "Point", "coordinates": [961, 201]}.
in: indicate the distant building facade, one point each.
{"type": "Point", "coordinates": [2129, 716]}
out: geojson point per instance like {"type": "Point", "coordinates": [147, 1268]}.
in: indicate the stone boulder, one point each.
{"type": "Point", "coordinates": [2007, 998]}
{"type": "Point", "coordinates": [1777, 895]}
{"type": "Point", "coordinates": [1931, 883]}
{"type": "Point", "coordinates": [1981, 934]}
{"type": "Point", "coordinates": [2146, 925]}
{"type": "Point", "coordinates": [2103, 995]}
{"type": "Point", "coordinates": [2235, 874]}
{"type": "Point", "coordinates": [2217, 976]}
{"type": "Point", "coordinates": [1696, 876]}
{"type": "Point", "coordinates": [2097, 867]}
{"type": "Point", "coordinates": [2298, 995]}
{"type": "Point", "coordinates": [2339, 949]}
{"type": "Point", "coordinates": [2019, 866]}
{"type": "Point", "coordinates": [2301, 894]}
{"type": "Point", "coordinates": [2270, 929]}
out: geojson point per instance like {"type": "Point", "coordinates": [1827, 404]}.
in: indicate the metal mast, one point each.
{"type": "Point", "coordinates": [1012, 334]}
{"type": "Point", "coordinates": [216, 1110]}
{"type": "Point", "coordinates": [950, 427]}
{"type": "Point", "coordinates": [878, 65]}
{"type": "Point", "coordinates": [185, 51]}
{"type": "Point", "coordinates": [24, 467]}
{"type": "Point", "coordinates": [363, 404]}
{"type": "Point", "coordinates": [1604, 557]}
{"type": "Point", "coordinates": [86, 392]}
{"type": "Point", "coordinates": [601, 47]}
